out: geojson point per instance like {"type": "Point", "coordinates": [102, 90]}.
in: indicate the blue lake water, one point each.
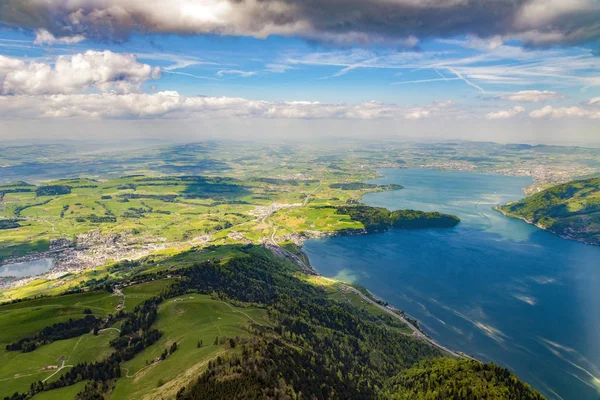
{"type": "Point", "coordinates": [493, 287]}
{"type": "Point", "coordinates": [27, 268]}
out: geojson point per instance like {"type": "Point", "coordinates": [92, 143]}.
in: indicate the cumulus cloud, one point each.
{"type": "Point", "coordinates": [565, 112]}
{"type": "Point", "coordinates": [42, 36]}
{"type": "Point", "coordinates": [170, 104]}
{"type": "Point", "coordinates": [533, 96]}
{"type": "Point", "coordinates": [503, 114]}
{"type": "Point", "coordinates": [101, 70]}
{"type": "Point", "coordinates": [536, 22]}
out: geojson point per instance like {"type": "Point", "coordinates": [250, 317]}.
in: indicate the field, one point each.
{"type": "Point", "coordinates": [18, 370]}
{"type": "Point", "coordinates": [68, 392]}
{"type": "Point", "coordinates": [144, 213]}
{"type": "Point", "coordinates": [186, 320]}
{"type": "Point", "coordinates": [333, 161]}
{"type": "Point", "coordinates": [127, 203]}
{"type": "Point", "coordinates": [193, 321]}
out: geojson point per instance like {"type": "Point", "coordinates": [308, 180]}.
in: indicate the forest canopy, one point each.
{"type": "Point", "coordinates": [379, 219]}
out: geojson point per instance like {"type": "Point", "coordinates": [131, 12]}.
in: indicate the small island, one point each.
{"type": "Point", "coordinates": [570, 210]}
{"type": "Point", "coordinates": [379, 219]}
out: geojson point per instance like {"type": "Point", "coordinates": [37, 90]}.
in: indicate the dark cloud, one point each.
{"type": "Point", "coordinates": [535, 22]}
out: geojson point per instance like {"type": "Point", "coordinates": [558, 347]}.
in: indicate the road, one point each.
{"type": "Point", "coordinates": [274, 246]}
{"type": "Point", "coordinates": [277, 249]}
{"type": "Point", "coordinates": [311, 193]}
{"type": "Point", "coordinates": [416, 332]}
{"type": "Point", "coordinates": [63, 366]}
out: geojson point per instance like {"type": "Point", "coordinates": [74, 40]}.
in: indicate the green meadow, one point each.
{"type": "Point", "coordinates": [194, 321]}
{"type": "Point", "coordinates": [17, 369]}
{"type": "Point", "coordinates": [187, 320]}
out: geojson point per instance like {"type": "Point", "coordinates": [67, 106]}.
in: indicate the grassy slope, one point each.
{"type": "Point", "coordinates": [186, 320]}
{"type": "Point", "coordinates": [18, 370]}
{"type": "Point", "coordinates": [66, 393]}
{"type": "Point", "coordinates": [570, 210]}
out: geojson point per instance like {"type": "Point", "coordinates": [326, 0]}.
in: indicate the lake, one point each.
{"type": "Point", "coordinates": [493, 287]}
{"type": "Point", "coordinates": [27, 268]}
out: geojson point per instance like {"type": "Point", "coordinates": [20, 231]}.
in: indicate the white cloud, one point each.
{"type": "Point", "coordinates": [173, 105]}
{"type": "Point", "coordinates": [101, 70]}
{"type": "Point", "coordinates": [42, 36]}
{"type": "Point", "coordinates": [417, 113]}
{"type": "Point", "coordinates": [503, 114]}
{"type": "Point", "coordinates": [533, 96]}
{"type": "Point", "coordinates": [595, 100]}
{"type": "Point", "coordinates": [565, 112]}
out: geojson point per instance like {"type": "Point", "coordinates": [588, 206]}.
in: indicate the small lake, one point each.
{"type": "Point", "coordinates": [493, 287]}
{"type": "Point", "coordinates": [27, 268]}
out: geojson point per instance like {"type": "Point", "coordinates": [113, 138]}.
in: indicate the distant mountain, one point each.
{"type": "Point", "coordinates": [570, 210]}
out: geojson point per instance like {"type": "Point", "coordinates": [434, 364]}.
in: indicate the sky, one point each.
{"type": "Point", "coordinates": [490, 70]}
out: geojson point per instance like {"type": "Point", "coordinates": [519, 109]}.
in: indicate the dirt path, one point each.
{"type": "Point", "coordinates": [110, 329]}
{"type": "Point", "coordinates": [58, 370]}
{"type": "Point", "coordinates": [241, 312]}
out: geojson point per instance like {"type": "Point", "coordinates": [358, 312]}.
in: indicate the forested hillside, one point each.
{"type": "Point", "coordinates": [570, 210]}
{"type": "Point", "coordinates": [378, 219]}
{"type": "Point", "coordinates": [310, 343]}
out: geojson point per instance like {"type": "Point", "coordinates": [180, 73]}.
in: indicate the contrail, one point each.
{"type": "Point", "coordinates": [468, 82]}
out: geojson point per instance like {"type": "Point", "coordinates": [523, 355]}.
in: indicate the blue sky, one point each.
{"type": "Point", "coordinates": [306, 70]}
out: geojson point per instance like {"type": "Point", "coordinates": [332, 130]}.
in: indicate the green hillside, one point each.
{"type": "Point", "coordinates": [248, 326]}
{"type": "Point", "coordinates": [570, 210]}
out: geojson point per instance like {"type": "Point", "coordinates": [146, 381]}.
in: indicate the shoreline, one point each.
{"type": "Point", "coordinates": [541, 227]}
{"type": "Point", "coordinates": [375, 301]}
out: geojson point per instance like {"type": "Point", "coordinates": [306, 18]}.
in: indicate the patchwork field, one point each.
{"type": "Point", "coordinates": [124, 217]}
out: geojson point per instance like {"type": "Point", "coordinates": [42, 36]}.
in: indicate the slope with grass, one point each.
{"type": "Point", "coordinates": [254, 325]}
{"type": "Point", "coordinates": [570, 210]}
{"type": "Point", "coordinates": [192, 321]}
{"type": "Point", "coordinates": [22, 319]}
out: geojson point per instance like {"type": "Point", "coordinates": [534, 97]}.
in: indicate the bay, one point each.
{"type": "Point", "coordinates": [493, 287]}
